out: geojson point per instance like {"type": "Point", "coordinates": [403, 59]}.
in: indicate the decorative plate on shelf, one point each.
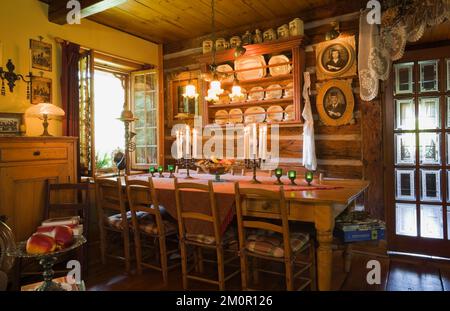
{"type": "Point", "coordinates": [289, 113]}
{"type": "Point", "coordinates": [235, 116]}
{"type": "Point", "coordinates": [221, 117]}
{"type": "Point", "coordinates": [255, 115]}
{"type": "Point", "coordinates": [256, 93]}
{"type": "Point", "coordinates": [275, 114]}
{"type": "Point", "coordinates": [249, 62]}
{"type": "Point", "coordinates": [274, 91]}
{"type": "Point", "coordinates": [282, 69]}
{"type": "Point", "coordinates": [226, 71]}
{"type": "Point", "coordinates": [289, 90]}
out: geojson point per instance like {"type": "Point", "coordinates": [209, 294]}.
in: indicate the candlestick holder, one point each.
{"type": "Point", "coordinates": [254, 164]}
{"type": "Point", "coordinates": [187, 164]}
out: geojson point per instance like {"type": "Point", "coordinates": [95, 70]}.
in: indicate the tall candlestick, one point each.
{"type": "Point", "coordinates": [260, 142]}
{"type": "Point", "coordinates": [264, 143]}
{"type": "Point", "coordinates": [194, 144]}
{"type": "Point", "coordinates": [188, 141]}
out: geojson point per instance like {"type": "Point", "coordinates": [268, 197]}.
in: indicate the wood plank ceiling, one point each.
{"type": "Point", "coordinates": [164, 21]}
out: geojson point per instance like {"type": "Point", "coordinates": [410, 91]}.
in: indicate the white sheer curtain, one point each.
{"type": "Point", "coordinates": [309, 146]}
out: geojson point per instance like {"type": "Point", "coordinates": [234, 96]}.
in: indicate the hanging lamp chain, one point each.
{"type": "Point", "coordinates": [213, 27]}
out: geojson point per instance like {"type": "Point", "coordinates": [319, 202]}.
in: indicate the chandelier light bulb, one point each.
{"type": "Point", "coordinates": [191, 91]}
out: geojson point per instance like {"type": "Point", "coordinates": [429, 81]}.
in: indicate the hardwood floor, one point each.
{"type": "Point", "coordinates": [397, 274]}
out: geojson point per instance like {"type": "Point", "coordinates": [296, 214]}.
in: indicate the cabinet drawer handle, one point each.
{"type": "Point", "coordinates": [37, 153]}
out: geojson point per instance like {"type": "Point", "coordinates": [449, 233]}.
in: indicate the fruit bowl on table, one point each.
{"type": "Point", "coordinates": [216, 167]}
{"type": "Point", "coordinates": [46, 260]}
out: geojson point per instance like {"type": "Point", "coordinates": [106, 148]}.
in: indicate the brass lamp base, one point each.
{"type": "Point", "coordinates": [45, 125]}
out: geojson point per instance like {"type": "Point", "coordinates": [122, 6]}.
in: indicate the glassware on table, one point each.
{"type": "Point", "coordinates": [292, 175]}
{"type": "Point", "coordinates": [171, 169]}
{"type": "Point", "coordinates": [309, 176]}
{"type": "Point", "coordinates": [152, 170]}
{"type": "Point", "coordinates": [160, 171]}
{"type": "Point", "coordinates": [278, 175]}
{"type": "Point", "coordinates": [46, 261]}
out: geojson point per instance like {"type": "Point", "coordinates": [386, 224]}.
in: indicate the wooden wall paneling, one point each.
{"type": "Point", "coordinates": [372, 154]}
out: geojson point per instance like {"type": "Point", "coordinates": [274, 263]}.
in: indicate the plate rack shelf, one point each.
{"type": "Point", "coordinates": [293, 48]}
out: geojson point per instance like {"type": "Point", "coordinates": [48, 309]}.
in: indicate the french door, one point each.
{"type": "Point", "coordinates": [417, 136]}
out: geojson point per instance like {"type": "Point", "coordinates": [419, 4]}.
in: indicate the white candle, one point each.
{"type": "Point", "coordinates": [264, 148]}
{"type": "Point", "coordinates": [260, 142]}
{"type": "Point", "coordinates": [254, 141]}
{"type": "Point", "coordinates": [194, 143]}
{"type": "Point", "coordinates": [246, 143]}
{"type": "Point", "coordinates": [178, 145]}
{"type": "Point", "coordinates": [188, 141]}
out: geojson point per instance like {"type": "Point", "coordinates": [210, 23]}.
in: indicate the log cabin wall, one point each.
{"type": "Point", "coordinates": [351, 151]}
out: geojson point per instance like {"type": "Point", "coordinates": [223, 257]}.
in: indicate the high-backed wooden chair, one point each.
{"type": "Point", "coordinates": [272, 240]}
{"type": "Point", "coordinates": [220, 243]}
{"type": "Point", "coordinates": [112, 217]}
{"type": "Point", "coordinates": [70, 200]}
{"type": "Point", "coordinates": [6, 263]}
{"type": "Point", "coordinates": [143, 201]}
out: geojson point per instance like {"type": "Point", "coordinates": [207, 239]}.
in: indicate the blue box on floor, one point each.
{"type": "Point", "coordinates": [360, 235]}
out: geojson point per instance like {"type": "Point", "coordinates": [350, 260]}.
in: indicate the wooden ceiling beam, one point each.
{"type": "Point", "coordinates": [57, 10]}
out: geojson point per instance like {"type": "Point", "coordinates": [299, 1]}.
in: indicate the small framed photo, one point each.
{"type": "Point", "coordinates": [336, 58]}
{"type": "Point", "coordinates": [41, 55]}
{"type": "Point", "coordinates": [41, 90]}
{"type": "Point", "coordinates": [335, 102]}
{"type": "Point", "coordinates": [10, 124]}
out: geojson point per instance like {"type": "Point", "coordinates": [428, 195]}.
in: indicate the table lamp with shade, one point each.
{"type": "Point", "coordinates": [44, 112]}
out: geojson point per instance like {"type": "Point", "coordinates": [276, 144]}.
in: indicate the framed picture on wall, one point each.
{"type": "Point", "coordinates": [184, 107]}
{"type": "Point", "coordinates": [10, 124]}
{"type": "Point", "coordinates": [336, 58]}
{"type": "Point", "coordinates": [41, 55]}
{"type": "Point", "coordinates": [41, 90]}
{"type": "Point", "coordinates": [335, 102]}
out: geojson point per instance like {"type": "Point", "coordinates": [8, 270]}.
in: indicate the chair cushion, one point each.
{"type": "Point", "coordinates": [146, 223]}
{"type": "Point", "coordinates": [272, 245]}
{"type": "Point", "coordinates": [229, 237]}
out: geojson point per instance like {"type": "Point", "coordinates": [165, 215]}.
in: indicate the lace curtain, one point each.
{"type": "Point", "coordinates": [379, 46]}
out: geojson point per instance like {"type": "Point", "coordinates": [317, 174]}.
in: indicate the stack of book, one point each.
{"type": "Point", "coordinates": [359, 226]}
{"type": "Point", "coordinates": [73, 222]}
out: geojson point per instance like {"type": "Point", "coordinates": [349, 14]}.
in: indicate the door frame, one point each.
{"type": "Point", "coordinates": [416, 245]}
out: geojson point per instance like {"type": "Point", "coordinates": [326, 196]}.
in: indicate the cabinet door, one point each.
{"type": "Point", "coordinates": [23, 194]}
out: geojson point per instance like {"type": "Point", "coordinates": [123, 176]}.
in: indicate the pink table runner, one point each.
{"type": "Point", "coordinates": [195, 201]}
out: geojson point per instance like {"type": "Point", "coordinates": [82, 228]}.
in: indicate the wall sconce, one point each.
{"type": "Point", "coordinates": [11, 77]}
{"type": "Point", "coordinates": [334, 32]}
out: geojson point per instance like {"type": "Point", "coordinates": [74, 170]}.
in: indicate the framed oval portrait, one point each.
{"type": "Point", "coordinates": [335, 102]}
{"type": "Point", "coordinates": [336, 58]}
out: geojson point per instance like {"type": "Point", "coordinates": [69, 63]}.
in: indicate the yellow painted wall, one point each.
{"type": "Point", "coordinates": [22, 20]}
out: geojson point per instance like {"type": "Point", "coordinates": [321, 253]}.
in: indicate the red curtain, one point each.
{"type": "Point", "coordinates": [70, 88]}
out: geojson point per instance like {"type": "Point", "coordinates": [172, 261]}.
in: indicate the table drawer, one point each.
{"type": "Point", "coordinates": [32, 154]}
{"type": "Point", "coordinates": [259, 206]}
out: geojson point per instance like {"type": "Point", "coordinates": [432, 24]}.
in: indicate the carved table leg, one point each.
{"type": "Point", "coordinates": [324, 222]}
{"type": "Point", "coordinates": [324, 260]}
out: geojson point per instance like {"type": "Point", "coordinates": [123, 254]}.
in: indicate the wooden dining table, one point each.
{"type": "Point", "coordinates": [319, 204]}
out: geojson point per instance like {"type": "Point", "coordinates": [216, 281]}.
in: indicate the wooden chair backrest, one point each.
{"type": "Point", "coordinates": [182, 215]}
{"type": "Point", "coordinates": [142, 198]}
{"type": "Point", "coordinates": [110, 197]}
{"type": "Point", "coordinates": [77, 195]}
{"type": "Point", "coordinates": [246, 221]}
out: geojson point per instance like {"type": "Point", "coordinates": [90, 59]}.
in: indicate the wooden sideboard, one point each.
{"type": "Point", "coordinates": [26, 165]}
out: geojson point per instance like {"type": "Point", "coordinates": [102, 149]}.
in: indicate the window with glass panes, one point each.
{"type": "Point", "coordinates": [145, 109]}
{"type": "Point", "coordinates": [422, 149]}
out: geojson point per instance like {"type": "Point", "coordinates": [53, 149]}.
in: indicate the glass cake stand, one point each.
{"type": "Point", "coordinates": [46, 261]}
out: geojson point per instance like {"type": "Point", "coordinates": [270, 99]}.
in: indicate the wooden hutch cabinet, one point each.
{"type": "Point", "coordinates": [26, 165]}
{"type": "Point", "coordinates": [291, 48]}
